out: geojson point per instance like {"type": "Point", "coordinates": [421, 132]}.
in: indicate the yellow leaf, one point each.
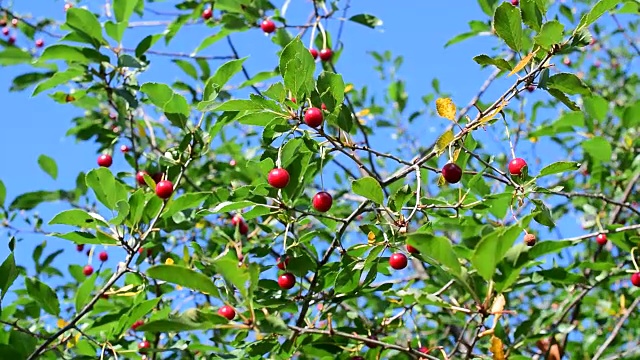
{"type": "Point", "coordinates": [492, 114]}
{"type": "Point", "coordinates": [61, 323]}
{"type": "Point", "coordinates": [496, 348]}
{"type": "Point", "coordinates": [348, 88]}
{"type": "Point", "coordinates": [73, 341]}
{"type": "Point", "coordinates": [446, 108]}
{"type": "Point", "coordinates": [441, 180]}
{"type": "Point", "coordinates": [363, 112]}
{"type": "Point", "coordinates": [201, 224]}
{"type": "Point", "coordinates": [371, 238]}
{"type": "Point", "coordinates": [456, 153]}
{"type": "Point", "coordinates": [533, 139]}
{"type": "Point", "coordinates": [443, 141]}
{"type": "Point", "coordinates": [169, 261]}
{"type": "Point", "coordinates": [525, 60]}
{"type": "Point", "coordinates": [623, 303]}
{"type": "Point", "coordinates": [178, 287]}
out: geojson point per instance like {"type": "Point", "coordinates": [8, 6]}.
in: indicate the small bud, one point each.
{"type": "Point", "coordinates": [530, 239]}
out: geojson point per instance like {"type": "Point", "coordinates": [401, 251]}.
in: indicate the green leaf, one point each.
{"type": "Point", "coordinates": [14, 56]}
{"type": "Point", "coordinates": [564, 99]}
{"type": "Point", "coordinates": [162, 96]}
{"type": "Point", "coordinates": [332, 84]}
{"type": "Point", "coordinates": [366, 20]}
{"type": "Point", "coordinates": [485, 60]}
{"type": "Point", "coordinates": [8, 274]}
{"type": "Point", "coordinates": [598, 148]}
{"type": "Point", "coordinates": [558, 167]}
{"type": "Point", "coordinates": [258, 118]}
{"type": "Point", "coordinates": [550, 34]}
{"type": "Point", "coordinates": [239, 276]}
{"type": "Point", "coordinates": [57, 79]}
{"type": "Point", "coordinates": [28, 201]}
{"type": "Point", "coordinates": [123, 9]}
{"type": "Point", "coordinates": [492, 248]}
{"type": "Point", "coordinates": [508, 25]}
{"type": "Point", "coordinates": [22, 82]}
{"type": "Point", "coordinates": [229, 206]}
{"type": "Point", "coordinates": [85, 22]}
{"type": "Point", "coordinates": [210, 40]}
{"type": "Point", "coordinates": [531, 14]}
{"type": "Point", "coordinates": [43, 295]}
{"type": "Point", "coordinates": [568, 83]}
{"type": "Point", "coordinates": [184, 202]}
{"type": "Point", "coordinates": [347, 280]}
{"type": "Point", "coordinates": [297, 67]}
{"type": "Point", "coordinates": [138, 311]}
{"type": "Point", "coordinates": [72, 54]}
{"type": "Point", "coordinates": [123, 212]}
{"type": "Point", "coordinates": [184, 277]}
{"type": "Point", "coordinates": [369, 188]}
{"type": "Point", "coordinates": [542, 214]}
{"type": "Point", "coordinates": [595, 13]}
{"type": "Point", "coordinates": [48, 165]}
{"type": "Point", "coordinates": [81, 237]}
{"type": "Point", "coordinates": [187, 67]}
{"type": "Point", "coordinates": [596, 106]}
{"type": "Point", "coordinates": [458, 38]}
{"type": "Point", "coordinates": [3, 193]}
{"type": "Point", "coordinates": [77, 217]}
{"type": "Point", "coordinates": [83, 294]}
{"type": "Point", "coordinates": [172, 325]}
{"type": "Point", "coordinates": [226, 71]}
{"type": "Point", "coordinates": [437, 248]}
{"type": "Point", "coordinates": [107, 189]}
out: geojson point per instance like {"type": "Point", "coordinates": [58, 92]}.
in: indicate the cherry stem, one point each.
{"type": "Point", "coordinates": [286, 235]}
{"type": "Point", "coordinates": [506, 127]}
{"type": "Point", "coordinates": [313, 32]}
{"type": "Point", "coordinates": [599, 224]}
{"type": "Point", "coordinates": [324, 35]}
{"type": "Point", "coordinates": [322, 155]}
{"type": "Point", "coordinates": [633, 259]}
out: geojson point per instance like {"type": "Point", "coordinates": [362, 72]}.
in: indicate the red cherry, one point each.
{"type": "Point", "coordinates": [592, 41]}
{"type": "Point", "coordinates": [452, 173]}
{"type": "Point", "coordinates": [412, 250]}
{"type": "Point", "coordinates": [14, 22]}
{"type": "Point", "coordinates": [531, 88]}
{"type": "Point", "coordinates": [227, 311]}
{"type": "Point", "coordinates": [314, 53]}
{"type": "Point", "coordinates": [323, 106]}
{"type": "Point", "coordinates": [143, 345]}
{"type": "Point", "coordinates": [322, 201]}
{"type": "Point", "coordinates": [12, 40]}
{"type": "Point", "coordinates": [39, 43]}
{"type": "Point", "coordinates": [157, 177]}
{"type": "Point", "coordinates": [515, 2]}
{"type": "Point", "coordinates": [103, 256]}
{"type": "Point", "coordinates": [80, 247]}
{"type": "Point", "coordinates": [516, 165]}
{"type": "Point", "coordinates": [282, 264]}
{"type": "Point", "coordinates": [87, 270]}
{"type": "Point", "coordinates": [635, 279]}
{"type": "Point", "coordinates": [370, 344]}
{"type": "Point", "coordinates": [137, 324]}
{"type": "Point", "coordinates": [164, 189]}
{"type": "Point", "coordinates": [398, 261]}
{"type": "Point", "coordinates": [140, 177]}
{"type": "Point", "coordinates": [566, 61]}
{"type": "Point", "coordinates": [104, 296]}
{"type": "Point", "coordinates": [293, 100]}
{"type": "Point", "coordinates": [326, 54]}
{"type": "Point", "coordinates": [105, 160]}
{"type": "Point", "coordinates": [424, 350]}
{"type": "Point", "coordinates": [313, 117]}
{"type": "Point", "coordinates": [67, 6]}
{"type": "Point", "coordinates": [278, 178]}
{"type": "Point", "coordinates": [124, 149]}
{"type": "Point", "coordinates": [232, 162]}
{"type": "Point", "coordinates": [268, 26]}
{"type": "Point", "coordinates": [5, 31]}
{"type": "Point", "coordinates": [238, 221]}
{"type": "Point", "coordinates": [207, 14]}
{"type": "Point", "coordinates": [286, 281]}
{"type": "Point", "coordinates": [601, 239]}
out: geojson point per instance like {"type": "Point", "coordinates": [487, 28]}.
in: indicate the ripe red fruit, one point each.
{"type": "Point", "coordinates": [14, 22]}
{"type": "Point", "coordinates": [325, 54]}
{"type": "Point", "coordinates": [238, 221]}
{"type": "Point", "coordinates": [207, 14]}
{"type": "Point", "coordinates": [12, 40]}
{"type": "Point", "coordinates": [137, 324]}
{"type": "Point", "coordinates": [39, 43]}
{"type": "Point", "coordinates": [424, 350]}
{"type": "Point", "coordinates": [398, 261]}
{"type": "Point", "coordinates": [322, 201]}
{"type": "Point", "coordinates": [67, 6]}
{"type": "Point", "coordinates": [412, 250]}
{"type": "Point", "coordinates": [157, 177]}
{"type": "Point", "coordinates": [103, 256]}
{"type": "Point", "coordinates": [566, 61]}
{"type": "Point", "coordinates": [105, 160]}
{"type": "Point", "coordinates": [286, 281]}
{"type": "Point", "coordinates": [143, 345]}
{"type": "Point", "coordinates": [5, 31]}
{"type": "Point", "coordinates": [601, 239]}
{"type": "Point", "coordinates": [516, 165]}
{"type": "Point", "coordinates": [314, 53]}
{"type": "Point", "coordinates": [278, 178]}
{"type": "Point", "coordinates": [635, 279]}
{"type": "Point", "coordinates": [124, 148]}
{"type": "Point", "coordinates": [87, 270]}
{"type": "Point", "coordinates": [531, 88]}
{"type": "Point", "coordinates": [323, 106]}
{"type": "Point", "coordinates": [164, 189]}
{"type": "Point", "coordinates": [313, 117]}
{"type": "Point", "coordinates": [140, 177]}
{"type": "Point", "coordinates": [452, 173]}
{"type": "Point", "coordinates": [282, 264]}
{"type": "Point", "coordinates": [268, 26]}
{"type": "Point", "coordinates": [80, 247]}
{"type": "Point", "coordinates": [515, 2]}
{"type": "Point", "coordinates": [227, 311]}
